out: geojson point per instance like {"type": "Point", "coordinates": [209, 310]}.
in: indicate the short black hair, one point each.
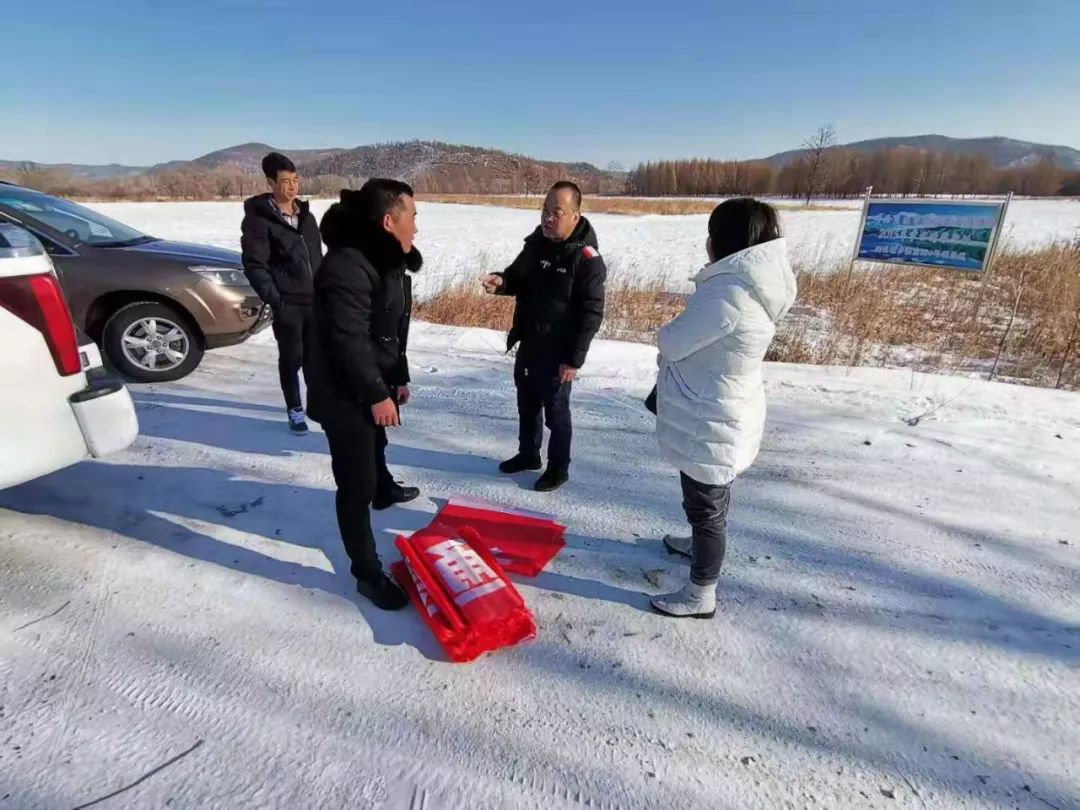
{"type": "Point", "coordinates": [569, 184]}
{"type": "Point", "coordinates": [741, 223]}
{"type": "Point", "coordinates": [276, 162]}
{"type": "Point", "coordinates": [377, 197]}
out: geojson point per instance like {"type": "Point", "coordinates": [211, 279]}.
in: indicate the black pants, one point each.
{"type": "Point", "coordinates": [291, 325]}
{"type": "Point", "coordinates": [706, 508]}
{"type": "Point", "coordinates": [541, 400]}
{"type": "Point", "coordinates": [358, 458]}
{"type": "Point", "coordinates": [383, 478]}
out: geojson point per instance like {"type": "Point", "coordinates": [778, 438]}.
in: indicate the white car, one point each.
{"type": "Point", "coordinates": [59, 406]}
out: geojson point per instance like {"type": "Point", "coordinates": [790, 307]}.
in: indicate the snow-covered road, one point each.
{"type": "Point", "coordinates": [899, 620]}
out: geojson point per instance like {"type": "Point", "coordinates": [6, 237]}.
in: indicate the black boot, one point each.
{"type": "Point", "coordinates": [520, 463]}
{"type": "Point", "coordinates": [393, 494]}
{"type": "Point", "coordinates": [383, 592]}
{"type": "Point", "coordinates": [552, 479]}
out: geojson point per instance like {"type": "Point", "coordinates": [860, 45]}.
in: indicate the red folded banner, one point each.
{"type": "Point", "coordinates": [461, 592]}
{"type": "Point", "coordinates": [523, 543]}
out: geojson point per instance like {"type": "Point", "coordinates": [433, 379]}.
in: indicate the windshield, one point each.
{"type": "Point", "coordinates": [77, 222]}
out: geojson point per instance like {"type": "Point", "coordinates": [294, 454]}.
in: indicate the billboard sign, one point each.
{"type": "Point", "coordinates": [931, 233]}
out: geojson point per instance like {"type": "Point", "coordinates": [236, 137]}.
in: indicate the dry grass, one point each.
{"type": "Point", "coordinates": [935, 320]}
{"type": "Point", "coordinates": [637, 313]}
{"type": "Point", "coordinates": [633, 314]}
{"type": "Point", "coordinates": [630, 206]}
{"type": "Point", "coordinates": [466, 304]}
{"type": "Point", "coordinates": [945, 320]}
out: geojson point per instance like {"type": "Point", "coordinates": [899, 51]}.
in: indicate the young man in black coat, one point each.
{"type": "Point", "coordinates": [356, 366]}
{"type": "Point", "coordinates": [281, 252]}
{"type": "Point", "coordinates": [558, 281]}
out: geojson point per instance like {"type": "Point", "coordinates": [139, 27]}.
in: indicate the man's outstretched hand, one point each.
{"type": "Point", "coordinates": [492, 284]}
{"type": "Point", "coordinates": [385, 413]}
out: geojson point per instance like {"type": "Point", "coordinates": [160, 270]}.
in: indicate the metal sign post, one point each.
{"type": "Point", "coordinates": [858, 237]}
{"type": "Point", "coordinates": [1068, 350]}
{"type": "Point", "coordinates": [986, 282]}
{"type": "Point", "coordinates": [993, 252]}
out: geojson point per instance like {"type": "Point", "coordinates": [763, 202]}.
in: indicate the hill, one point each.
{"type": "Point", "coordinates": [431, 166]}
{"type": "Point", "coordinates": [1003, 153]}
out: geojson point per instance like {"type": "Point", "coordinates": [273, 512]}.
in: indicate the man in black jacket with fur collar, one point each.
{"type": "Point", "coordinates": [281, 252]}
{"type": "Point", "coordinates": [558, 281]}
{"type": "Point", "coordinates": [356, 365]}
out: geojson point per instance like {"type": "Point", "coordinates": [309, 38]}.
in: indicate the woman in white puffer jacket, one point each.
{"type": "Point", "coordinates": [710, 391]}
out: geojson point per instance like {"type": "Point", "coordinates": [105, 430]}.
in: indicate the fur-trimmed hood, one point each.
{"type": "Point", "coordinates": [344, 226]}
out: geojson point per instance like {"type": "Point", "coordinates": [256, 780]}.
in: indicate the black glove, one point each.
{"type": "Point", "coordinates": [650, 401]}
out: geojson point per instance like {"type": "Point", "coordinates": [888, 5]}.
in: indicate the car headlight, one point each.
{"type": "Point", "coordinates": [225, 276]}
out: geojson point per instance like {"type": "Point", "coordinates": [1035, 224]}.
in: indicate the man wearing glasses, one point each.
{"type": "Point", "coordinates": [558, 283]}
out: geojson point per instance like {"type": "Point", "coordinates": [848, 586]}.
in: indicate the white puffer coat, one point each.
{"type": "Point", "coordinates": [710, 389]}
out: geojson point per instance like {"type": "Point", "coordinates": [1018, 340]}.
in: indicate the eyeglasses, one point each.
{"type": "Point", "coordinates": [556, 214]}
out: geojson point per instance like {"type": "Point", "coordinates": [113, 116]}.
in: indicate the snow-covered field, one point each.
{"type": "Point", "coordinates": [899, 620]}
{"type": "Point", "coordinates": [465, 241]}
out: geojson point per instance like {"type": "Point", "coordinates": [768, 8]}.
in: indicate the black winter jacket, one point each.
{"type": "Point", "coordinates": [279, 260]}
{"type": "Point", "coordinates": [361, 312]}
{"type": "Point", "coordinates": [559, 287]}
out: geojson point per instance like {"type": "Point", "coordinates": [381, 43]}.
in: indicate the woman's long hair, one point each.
{"type": "Point", "coordinates": [741, 223]}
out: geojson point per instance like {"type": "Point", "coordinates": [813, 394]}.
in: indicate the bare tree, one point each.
{"type": "Point", "coordinates": [533, 175]}
{"type": "Point", "coordinates": [1044, 179]}
{"type": "Point", "coordinates": [615, 167]}
{"type": "Point", "coordinates": [817, 147]}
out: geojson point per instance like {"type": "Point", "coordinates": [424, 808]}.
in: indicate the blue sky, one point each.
{"type": "Point", "coordinates": [142, 82]}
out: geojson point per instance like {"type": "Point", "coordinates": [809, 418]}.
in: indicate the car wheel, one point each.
{"type": "Point", "coordinates": [152, 342]}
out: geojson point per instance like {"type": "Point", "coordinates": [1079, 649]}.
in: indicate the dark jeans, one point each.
{"type": "Point", "coordinates": [706, 508]}
{"type": "Point", "coordinates": [291, 325]}
{"type": "Point", "coordinates": [542, 399]}
{"type": "Point", "coordinates": [358, 458]}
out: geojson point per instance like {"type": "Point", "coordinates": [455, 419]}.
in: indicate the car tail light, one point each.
{"type": "Point", "coordinates": [40, 302]}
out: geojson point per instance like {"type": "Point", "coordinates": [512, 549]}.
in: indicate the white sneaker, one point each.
{"type": "Point", "coordinates": [691, 602]}
{"type": "Point", "coordinates": [676, 544]}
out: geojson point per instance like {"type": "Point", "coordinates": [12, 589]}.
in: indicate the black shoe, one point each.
{"type": "Point", "coordinates": [393, 495]}
{"type": "Point", "coordinates": [520, 463]}
{"type": "Point", "coordinates": [297, 423]}
{"type": "Point", "coordinates": [383, 592]}
{"type": "Point", "coordinates": [552, 479]}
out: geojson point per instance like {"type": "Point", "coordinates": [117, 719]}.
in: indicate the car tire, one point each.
{"type": "Point", "coordinates": [135, 332]}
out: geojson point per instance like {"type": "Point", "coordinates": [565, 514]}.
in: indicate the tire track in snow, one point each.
{"type": "Point", "coordinates": [81, 637]}
{"type": "Point", "coordinates": [189, 695]}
